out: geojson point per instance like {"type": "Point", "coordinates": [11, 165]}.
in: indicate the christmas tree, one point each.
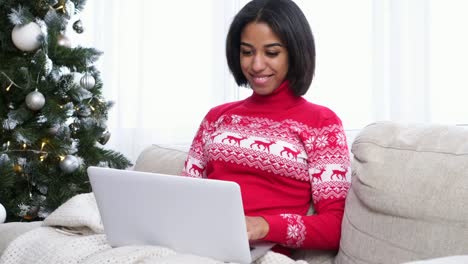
{"type": "Point", "coordinates": [52, 112]}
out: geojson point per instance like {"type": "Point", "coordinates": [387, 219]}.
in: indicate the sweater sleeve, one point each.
{"type": "Point", "coordinates": [330, 179]}
{"type": "Point", "coordinates": [195, 163]}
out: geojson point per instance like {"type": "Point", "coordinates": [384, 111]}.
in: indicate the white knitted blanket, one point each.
{"type": "Point", "coordinates": [74, 234]}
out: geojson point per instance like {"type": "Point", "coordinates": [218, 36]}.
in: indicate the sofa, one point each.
{"type": "Point", "coordinates": [407, 202]}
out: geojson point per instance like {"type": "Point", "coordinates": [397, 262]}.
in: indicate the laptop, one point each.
{"type": "Point", "coordinates": [189, 215]}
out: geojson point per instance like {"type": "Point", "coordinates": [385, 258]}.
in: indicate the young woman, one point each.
{"type": "Point", "coordinates": [286, 153]}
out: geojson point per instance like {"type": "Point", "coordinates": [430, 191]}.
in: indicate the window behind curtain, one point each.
{"type": "Point", "coordinates": [164, 63]}
{"type": "Point", "coordinates": [449, 61]}
{"type": "Point", "coordinates": [389, 60]}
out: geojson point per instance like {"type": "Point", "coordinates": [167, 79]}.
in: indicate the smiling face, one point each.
{"type": "Point", "coordinates": [263, 58]}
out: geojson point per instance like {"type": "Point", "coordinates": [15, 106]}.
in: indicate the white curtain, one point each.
{"type": "Point", "coordinates": [164, 64]}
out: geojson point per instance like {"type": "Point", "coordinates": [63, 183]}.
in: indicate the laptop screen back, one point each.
{"type": "Point", "coordinates": [195, 216]}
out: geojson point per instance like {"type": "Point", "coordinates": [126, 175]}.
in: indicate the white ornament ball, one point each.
{"type": "Point", "coordinates": [2, 214]}
{"type": "Point", "coordinates": [87, 81]}
{"type": "Point", "coordinates": [69, 164]}
{"type": "Point", "coordinates": [26, 37]}
{"type": "Point", "coordinates": [35, 100]}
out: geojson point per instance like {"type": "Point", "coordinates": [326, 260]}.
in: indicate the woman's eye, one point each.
{"type": "Point", "coordinates": [272, 54]}
{"type": "Point", "coordinates": [246, 52]}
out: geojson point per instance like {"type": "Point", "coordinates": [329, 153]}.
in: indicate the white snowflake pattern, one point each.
{"type": "Point", "coordinates": [293, 231]}
{"type": "Point", "coordinates": [322, 141]}
{"type": "Point", "coordinates": [341, 140]}
{"type": "Point", "coordinates": [309, 143]}
{"type": "Point", "coordinates": [296, 230]}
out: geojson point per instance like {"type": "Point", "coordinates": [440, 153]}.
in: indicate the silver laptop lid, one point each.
{"type": "Point", "coordinates": [195, 216]}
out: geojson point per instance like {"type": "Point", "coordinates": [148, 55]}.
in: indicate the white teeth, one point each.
{"type": "Point", "coordinates": [260, 80]}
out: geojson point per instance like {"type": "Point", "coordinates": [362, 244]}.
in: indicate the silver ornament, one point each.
{"type": "Point", "coordinates": [78, 26]}
{"type": "Point", "coordinates": [69, 164]}
{"type": "Point", "coordinates": [87, 81]}
{"type": "Point", "coordinates": [104, 137]}
{"type": "Point", "coordinates": [35, 100]}
{"type": "Point", "coordinates": [63, 41]}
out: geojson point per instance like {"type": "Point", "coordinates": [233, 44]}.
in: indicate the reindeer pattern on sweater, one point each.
{"type": "Point", "coordinates": [283, 159]}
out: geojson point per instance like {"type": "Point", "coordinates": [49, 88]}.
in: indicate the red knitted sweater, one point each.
{"type": "Point", "coordinates": [285, 153]}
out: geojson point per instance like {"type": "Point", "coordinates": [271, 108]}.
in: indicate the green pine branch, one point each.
{"type": "Point", "coordinates": [33, 143]}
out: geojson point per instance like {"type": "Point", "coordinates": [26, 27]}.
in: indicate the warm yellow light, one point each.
{"type": "Point", "coordinates": [17, 168]}
{"type": "Point", "coordinates": [42, 145]}
{"type": "Point", "coordinates": [41, 158]}
{"type": "Point", "coordinates": [9, 86]}
{"type": "Point", "coordinates": [24, 145]}
{"type": "Point", "coordinates": [92, 108]}
{"type": "Point", "coordinates": [61, 158]}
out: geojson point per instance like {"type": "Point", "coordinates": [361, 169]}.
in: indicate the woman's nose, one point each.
{"type": "Point", "coordinates": [258, 63]}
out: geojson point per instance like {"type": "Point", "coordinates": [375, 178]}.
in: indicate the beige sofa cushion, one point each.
{"type": "Point", "coordinates": [409, 194]}
{"type": "Point", "coordinates": [162, 159]}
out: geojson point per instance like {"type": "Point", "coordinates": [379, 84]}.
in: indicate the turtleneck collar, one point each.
{"type": "Point", "coordinates": [280, 99]}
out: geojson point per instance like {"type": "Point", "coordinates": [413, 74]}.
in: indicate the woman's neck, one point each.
{"type": "Point", "coordinates": [281, 98]}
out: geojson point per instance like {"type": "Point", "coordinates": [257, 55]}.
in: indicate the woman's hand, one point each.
{"type": "Point", "coordinates": [257, 227]}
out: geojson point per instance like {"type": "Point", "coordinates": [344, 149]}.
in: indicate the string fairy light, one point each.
{"type": "Point", "coordinates": [11, 82]}
{"type": "Point", "coordinates": [24, 148]}
{"type": "Point", "coordinates": [9, 86]}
